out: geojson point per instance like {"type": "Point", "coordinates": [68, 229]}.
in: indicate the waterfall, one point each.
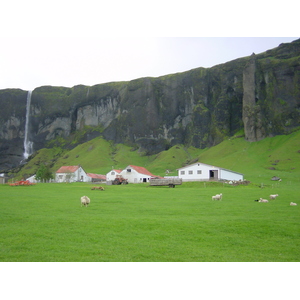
{"type": "Point", "coordinates": [28, 146]}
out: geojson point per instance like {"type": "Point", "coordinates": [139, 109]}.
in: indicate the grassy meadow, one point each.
{"type": "Point", "coordinates": [45, 222]}
{"type": "Point", "coordinates": [139, 223]}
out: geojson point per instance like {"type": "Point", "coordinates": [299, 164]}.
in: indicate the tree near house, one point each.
{"type": "Point", "coordinates": [43, 173]}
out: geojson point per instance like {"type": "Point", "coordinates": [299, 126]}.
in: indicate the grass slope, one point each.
{"type": "Point", "coordinates": [258, 161]}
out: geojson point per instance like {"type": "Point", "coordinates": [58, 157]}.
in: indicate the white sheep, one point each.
{"type": "Point", "coordinates": [273, 197]}
{"type": "Point", "coordinates": [263, 200]}
{"type": "Point", "coordinates": [217, 197]}
{"type": "Point", "coordinates": [293, 203]}
{"type": "Point", "coordinates": [85, 200]}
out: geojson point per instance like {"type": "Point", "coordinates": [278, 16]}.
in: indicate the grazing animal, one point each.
{"type": "Point", "coordinates": [217, 197]}
{"type": "Point", "coordinates": [293, 203]}
{"type": "Point", "coordinates": [101, 188]}
{"type": "Point", "coordinates": [263, 200]}
{"type": "Point", "coordinates": [273, 197]}
{"type": "Point", "coordinates": [85, 200]}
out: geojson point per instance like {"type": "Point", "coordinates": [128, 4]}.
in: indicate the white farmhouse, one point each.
{"type": "Point", "coordinates": [135, 174]}
{"type": "Point", "coordinates": [199, 171]}
{"type": "Point", "coordinates": [71, 174]}
{"type": "Point", "coordinates": [111, 175]}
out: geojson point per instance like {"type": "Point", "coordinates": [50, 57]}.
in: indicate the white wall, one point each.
{"type": "Point", "coordinates": [196, 172]}
{"type": "Point", "coordinates": [134, 176]}
{"type": "Point", "coordinates": [111, 175]}
{"type": "Point", "coordinates": [78, 175]}
{"type": "Point", "coordinates": [227, 175]}
{"type": "Point", "coordinates": [199, 171]}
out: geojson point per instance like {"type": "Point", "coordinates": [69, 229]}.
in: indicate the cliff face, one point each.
{"type": "Point", "coordinates": [260, 94]}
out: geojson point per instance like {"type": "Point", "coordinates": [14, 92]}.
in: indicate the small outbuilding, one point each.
{"type": "Point", "coordinates": [3, 178]}
{"type": "Point", "coordinates": [96, 177]}
{"type": "Point", "coordinates": [136, 174]}
{"type": "Point", "coordinates": [71, 174]}
{"type": "Point", "coordinates": [111, 175]}
{"type": "Point", "coordinates": [32, 179]}
{"type": "Point", "coordinates": [203, 172]}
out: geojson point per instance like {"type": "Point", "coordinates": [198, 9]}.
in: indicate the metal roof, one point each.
{"type": "Point", "coordinates": [67, 169]}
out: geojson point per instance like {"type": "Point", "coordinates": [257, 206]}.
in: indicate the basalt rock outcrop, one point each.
{"type": "Point", "coordinates": [200, 107]}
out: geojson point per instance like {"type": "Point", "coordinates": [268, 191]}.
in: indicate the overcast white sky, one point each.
{"type": "Point", "coordinates": [65, 43]}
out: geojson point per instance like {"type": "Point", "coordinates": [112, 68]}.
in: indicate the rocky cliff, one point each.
{"type": "Point", "coordinates": [200, 107]}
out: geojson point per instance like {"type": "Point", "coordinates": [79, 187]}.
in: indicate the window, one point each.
{"type": "Point", "coordinates": [199, 172]}
{"type": "Point", "coordinates": [190, 172]}
{"type": "Point", "coordinates": [182, 172]}
{"type": "Point", "coordinates": [128, 170]}
{"type": "Point", "coordinates": [112, 173]}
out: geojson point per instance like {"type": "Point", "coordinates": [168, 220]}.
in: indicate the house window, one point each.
{"type": "Point", "coordinates": [190, 172]}
{"type": "Point", "coordinates": [112, 173]}
{"type": "Point", "coordinates": [199, 172]}
{"type": "Point", "coordinates": [128, 170]}
{"type": "Point", "coordinates": [182, 172]}
{"type": "Point", "coordinates": [60, 176]}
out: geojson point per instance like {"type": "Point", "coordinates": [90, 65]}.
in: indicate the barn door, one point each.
{"type": "Point", "coordinates": [213, 174]}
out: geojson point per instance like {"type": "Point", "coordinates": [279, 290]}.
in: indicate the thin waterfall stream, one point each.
{"type": "Point", "coordinates": [28, 145]}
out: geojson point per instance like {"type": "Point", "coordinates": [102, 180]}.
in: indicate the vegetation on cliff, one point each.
{"type": "Point", "coordinates": [198, 108]}
{"type": "Point", "coordinates": [272, 156]}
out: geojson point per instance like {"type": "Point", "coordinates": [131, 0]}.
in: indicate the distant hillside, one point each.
{"type": "Point", "coordinates": [259, 94]}
{"type": "Point", "coordinates": [273, 156]}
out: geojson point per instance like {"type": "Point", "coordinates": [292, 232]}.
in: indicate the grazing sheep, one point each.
{"type": "Point", "coordinates": [217, 197]}
{"type": "Point", "coordinates": [263, 200]}
{"type": "Point", "coordinates": [293, 203]}
{"type": "Point", "coordinates": [98, 188]}
{"type": "Point", "coordinates": [273, 197]}
{"type": "Point", "coordinates": [85, 200]}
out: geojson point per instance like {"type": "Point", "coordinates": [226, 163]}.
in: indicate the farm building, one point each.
{"type": "Point", "coordinates": [31, 179]}
{"type": "Point", "coordinates": [3, 179]}
{"type": "Point", "coordinates": [111, 175]}
{"type": "Point", "coordinates": [96, 177]}
{"type": "Point", "coordinates": [71, 174]}
{"type": "Point", "coordinates": [135, 174]}
{"type": "Point", "coordinates": [199, 171]}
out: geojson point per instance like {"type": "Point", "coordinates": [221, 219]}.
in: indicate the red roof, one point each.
{"type": "Point", "coordinates": [141, 170]}
{"type": "Point", "coordinates": [67, 169]}
{"type": "Point", "coordinates": [96, 176]}
{"type": "Point", "coordinates": [118, 171]}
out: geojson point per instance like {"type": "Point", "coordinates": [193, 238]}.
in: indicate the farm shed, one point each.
{"type": "Point", "coordinates": [111, 175]}
{"type": "Point", "coordinates": [96, 177]}
{"type": "Point", "coordinates": [199, 171]}
{"type": "Point", "coordinates": [31, 179]}
{"type": "Point", "coordinates": [71, 174]}
{"type": "Point", "coordinates": [136, 174]}
{"type": "Point", "coordinates": [3, 179]}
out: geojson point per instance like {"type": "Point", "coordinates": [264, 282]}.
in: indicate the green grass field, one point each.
{"type": "Point", "coordinates": [139, 223]}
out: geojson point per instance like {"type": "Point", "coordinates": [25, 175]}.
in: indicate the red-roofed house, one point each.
{"type": "Point", "coordinates": [135, 174]}
{"type": "Point", "coordinates": [71, 174]}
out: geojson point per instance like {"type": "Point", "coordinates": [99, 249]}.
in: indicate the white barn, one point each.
{"type": "Point", "coordinates": [135, 174]}
{"type": "Point", "coordinates": [111, 175]}
{"type": "Point", "coordinates": [199, 171]}
{"type": "Point", "coordinates": [71, 174]}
